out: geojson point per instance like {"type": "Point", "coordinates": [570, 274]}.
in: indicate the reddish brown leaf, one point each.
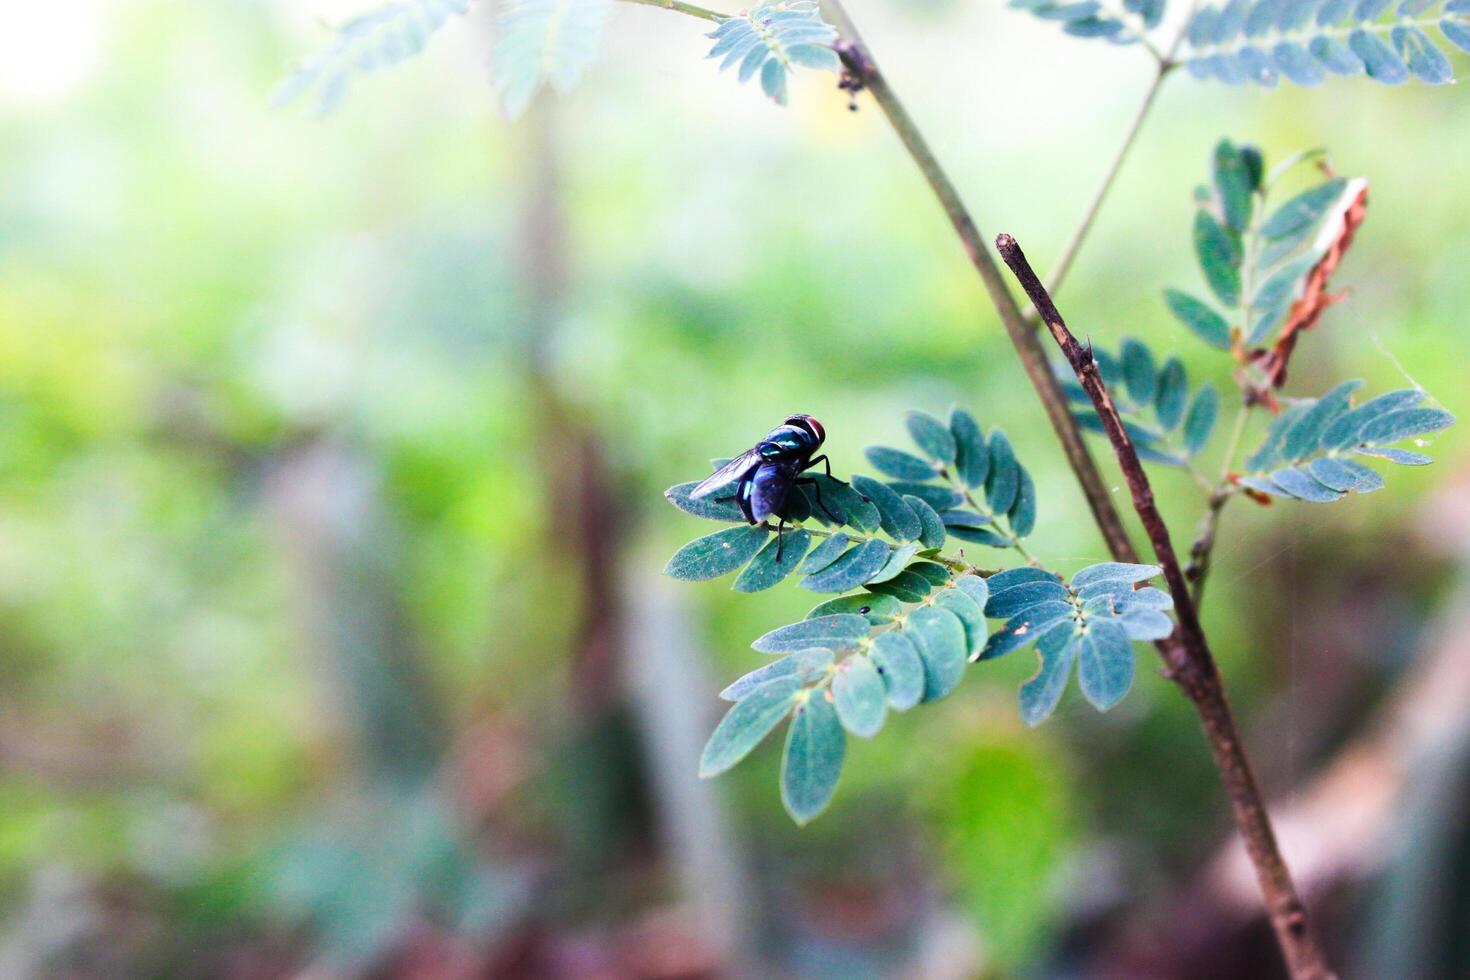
{"type": "Point", "coordinates": [1315, 298]}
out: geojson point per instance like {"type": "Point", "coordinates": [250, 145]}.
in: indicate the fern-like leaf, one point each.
{"type": "Point", "coordinates": [546, 42]}
{"type": "Point", "coordinates": [376, 39]}
{"type": "Point", "coordinates": [1305, 41]}
{"type": "Point", "coordinates": [771, 38]}
{"type": "Point", "coordinates": [1121, 24]}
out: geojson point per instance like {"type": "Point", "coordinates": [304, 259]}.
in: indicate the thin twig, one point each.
{"type": "Point", "coordinates": [1203, 548]}
{"type": "Point", "coordinates": [1094, 206]}
{"type": "Point", "coordinates": [1187, 653]}
{"type": "Point", "coordinates": [864, 73]}
{"type": "Point", "coordinates": [680, 7]}
{"type": "Point", "coordinates": [1164, 64]}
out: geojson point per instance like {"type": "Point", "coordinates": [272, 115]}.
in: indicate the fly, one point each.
{"type": "Point", "coordinates": [764, 474]}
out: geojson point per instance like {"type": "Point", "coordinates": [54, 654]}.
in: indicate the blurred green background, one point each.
{"type": "Point", "coordinates": [332, 632]}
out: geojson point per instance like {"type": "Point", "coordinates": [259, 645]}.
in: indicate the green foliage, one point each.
{"type": "Point", "coordinates": [1089, 18]}
{"type": "Point", "coordinates": [376, 39]}
{"type": "Point", "coordinates": [1308, 448]}
{"type": "Point", "coordinates": [1167, 424]}
{"type": "Point", "coordinates": [545, 42]}
{"type": "Point", "coordinates": [971, 483]}
{"type": "Point", "coordinates": [773, 37]}
{"type": "Point", "coordinates": [1090, 621]}
{"type": "Point", "coordinates": [1305, 41]}
{"type": "Point", "coordinates": [920, 617]}
{"type": "Point", "coordinates": [1002, 858]}
{"type": "Point", "coordinates": [1254, 260]}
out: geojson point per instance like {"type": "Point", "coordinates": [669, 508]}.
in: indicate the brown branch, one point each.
{"type": "Point", "coordinates": [1187, 654]}
{"type": "Point", "coordinates": [862, 72]}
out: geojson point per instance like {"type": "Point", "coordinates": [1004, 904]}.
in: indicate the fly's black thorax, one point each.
{"type": "Point", "coordinates": [787, 442]}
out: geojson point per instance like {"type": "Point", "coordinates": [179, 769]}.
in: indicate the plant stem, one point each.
{"type": "Point", "coordinates": [860, 64]}
{"type": "Point", "coordinates": [1187, 654]}
{"type": "Point", "coordinates": [679, 6]}
{"type": "Point", "coordinates": [1069, 253]}
{"type": "Point", "coordinates": [953, 564]}
{"type": "Point", "coordinates": [981, 509]}
{"type": "Point", "coordinates": [1165, 65]}
{"type": "Point", "coordinates": [864, 70]}
{"type": "Point", "coordinates": [1203, 548]}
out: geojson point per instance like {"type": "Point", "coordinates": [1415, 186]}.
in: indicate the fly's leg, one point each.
{"type": "Point", "coordinates": [817, 489]}
{"type": "Point", "coordinates": [780, 538]}
{"type": "Point", "coordinates": [826, 465]}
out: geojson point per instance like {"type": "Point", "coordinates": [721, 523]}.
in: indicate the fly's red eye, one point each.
{"type": "Point", "coordinates": [810, 424]}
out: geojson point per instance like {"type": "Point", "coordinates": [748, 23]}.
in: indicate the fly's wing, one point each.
{"type": "Point", "coordinates": [737, 469]}
{"type": "Point", "coordinates": [768, 489]}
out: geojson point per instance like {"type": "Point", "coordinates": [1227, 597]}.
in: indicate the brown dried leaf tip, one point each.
{"type": "Point", "coordinates": [1307, 310]}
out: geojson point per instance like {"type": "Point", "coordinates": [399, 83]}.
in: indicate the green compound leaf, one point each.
{"type": "Point", "coordinates": [1088, 18]}
{"type": "Point", "coordinates": [804, 665]}
{"type": "Point", "coordinates": [716, 554]}
{"type": "Point", "coordinates": [1026, 627]}
{"type": "Point", "coordinates": [1344, 475]}
{"type": "Point", "coordinates": [1018, 576]}
{"type": "Point", "coordinates": [1003, 481]}
{"type": "Point", "coordinates": [975, 587]}
{"type": "Point", "coordinates": [971, 615]}
{"type": "Point", "coordinates": [1300, 41]}
{"type": "Point", "coordinates": [1401, 456]}
{"type": "Point", "coordinates": [857, 566]}
{"type": "Point", "coordinates": [1171, 395]}
{"type": "Point", "coordinates": [834, 632]}
{"type": "Point", "coordinates": [939, 637]}
{"type": "Point", "coordinates": [1234, 185]}
{"type": "Point", "coordinates": [825, 553]}
{"type": "Point", "coordinates": [1380, 61]}
{"type": "Point", "coordinates": [899, 464]}
{"type": "Point", "coordinates": [1114, 571]}
{"type": "Point", "coordinates": [1301, 485]}
{"type": "Point", "coordinates": [931, 436]}
{"type": "Point", "coordinates": [1039, 696]}
{"type": "Point", "coordinates": [747, 723]}
{"type": "Point", "coordinates": [546, 42]}
{"type": "Point", "coordinates": [1425, 61]}
{"type": "Point", "coordinates": [1405, 423]}
{"type": "Point", "coordinates": [895, 517]}
{"type": "Point", "coordinates": [1199, 422]}
{"type": "Point", "coordinates": [812, 762]}
{"type": "Point", "coordinates": [973, 455]}
{"type": "Point", "coordinates": [1200, 318]}
{"type": "Point", "coordinates": [859, 696]}
{"type": "Point", "coordinates": [1218, 252]}
{"type": "Point", "coordinates": [1008, 602]}
{"type": "Point", "coordinates": [906, 586]}
{"type": "Point", "coordinates": [1287, 464]}
{"type": "Point", "coordinates": [705, 507]}
{"type": "Point", "coordinates": [772, 37]}
{"type": "Point", "coordinates": [1105, 664]}
{"type": "Point", "coordinates": [1305, 434]}
{"type": "Point", "coordinates": [844, 502]}
{"type": "Point", "coordinates": [939, 497]}
{"type": "Point", "coordinates": [897, 562]}
{"type": "Point", "coordinates": [897, 661]}
{"type": "Point", "coordinates": [380, 38]}
{"type": "Point", "coordinates": [879, 609]}
{"type": "Point", "coordinates": [936, 573]}
{"type": "Point", "coordinates": [1301, 213]}
{"type": "Point", "coordinates": [931, 527]}
{"type": "Point", "coordinates": [1347, 430]}
{"type": "Point", "coordinates": [1140, 376]}
{"type": "Point", "coordinates": [1022, 515]}
{"type": "Point", "coordinates": [764, 571]}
